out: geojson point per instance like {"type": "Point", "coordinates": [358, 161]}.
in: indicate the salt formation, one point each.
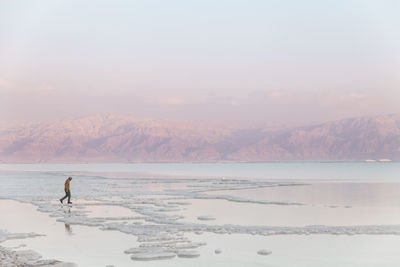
{"type": "Point", "coordinates": [160, 231]}
{"type": "Point", "coordinates": [5, 235]}
{"type": "Point", "coordinates": [264, 252]}
{"type": "Point", "coordinates": [10, 258]}
{"type": "Point", "coordinates": [143, 254]}
{"type": "Point", "coordinates": [146, 256]}
{"type": "Point", "coordinates": [205, 218]}
{"type": "Point", "coordinates": [188, 254]}
{"type": "Point", "coordinates": [29, 255]}
{"type": "Point", "coordinates": [164, 246]}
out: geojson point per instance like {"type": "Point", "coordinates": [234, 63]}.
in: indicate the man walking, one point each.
{"type": "Point", "coordinates": [67, 192]}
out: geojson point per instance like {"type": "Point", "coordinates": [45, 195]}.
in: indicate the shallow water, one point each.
{"type": "Point", "coordinates": [86, 246]}
{"type": "Point", "coordinates": [226, 212]}
{"type": "Point", "coordinates": [271, 170]}
{"type": "Point", "coordinates": [340, 193]}
{"type": "Point", "coordinates": [349, 216]}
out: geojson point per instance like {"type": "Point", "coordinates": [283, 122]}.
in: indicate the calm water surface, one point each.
{"type": "Point", "coordinates": [331, 193]}
{"type": "Point", "coordinates": [371, 171]}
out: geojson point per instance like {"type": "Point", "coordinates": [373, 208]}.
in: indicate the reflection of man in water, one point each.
{"type": "Point", "coordinates": [68, 229]}
{"type": "Point", "coordinates": [67, 191]}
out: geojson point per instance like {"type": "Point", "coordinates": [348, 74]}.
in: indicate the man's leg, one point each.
{"type": "Point", "coordinates": [69, 196]}
{"type": "Point", "coordinates": [66, 195]}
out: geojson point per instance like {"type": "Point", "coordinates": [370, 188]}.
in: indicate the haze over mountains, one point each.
{"type": "Point", "coordinates": [115, 138]}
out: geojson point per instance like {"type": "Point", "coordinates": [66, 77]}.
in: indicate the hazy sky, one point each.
{"type": "Point", "coordinates": [292, 61]}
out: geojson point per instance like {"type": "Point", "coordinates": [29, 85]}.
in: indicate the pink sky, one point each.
{"type": "Point", "coordinates": [303, 62]}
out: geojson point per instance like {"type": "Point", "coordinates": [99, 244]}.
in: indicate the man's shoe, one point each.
{"type": "Point", "coordinates": [61, 201]}
{"type": "Point", "coordinates": [69, 202]}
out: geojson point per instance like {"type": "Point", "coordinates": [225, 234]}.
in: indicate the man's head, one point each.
{"type": "Point", "coordinates": [70, 178]}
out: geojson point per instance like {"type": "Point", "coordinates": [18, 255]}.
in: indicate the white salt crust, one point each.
{"type": "Point", "coordinates": [188, 254]}
{"type": "Point", "coordinates": [160, 232]}
{"type": "Point", "coordinates": [205, 218]}
{"type": "Point", "coordinates": [28, 258]}
{"type": "Point", "coordinates": [264, 252]}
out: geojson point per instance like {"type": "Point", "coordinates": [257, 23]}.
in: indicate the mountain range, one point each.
{"type": "Point", "coordinates": [116, 138]}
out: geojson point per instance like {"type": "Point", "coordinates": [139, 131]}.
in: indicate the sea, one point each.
{"type": "Point", "coordinates": [314, 213]}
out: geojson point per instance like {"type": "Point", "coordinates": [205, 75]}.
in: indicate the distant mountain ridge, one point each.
{"type": "Point", "coordinates": [115, 138]}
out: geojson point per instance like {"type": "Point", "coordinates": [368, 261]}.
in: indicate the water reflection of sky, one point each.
{"type": "Point", "coordinates": [326, 202]}
{"type": "Point", "coordinates": [91, 247]}
{"type": "Point", "coordinates": [226, 212]}
{"type": "Point", "coordinates": [332, 193]}
{"type": "Point", "coordinates": [270, 170]}
{"type": "Point", "coordinates": [86, 246]}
